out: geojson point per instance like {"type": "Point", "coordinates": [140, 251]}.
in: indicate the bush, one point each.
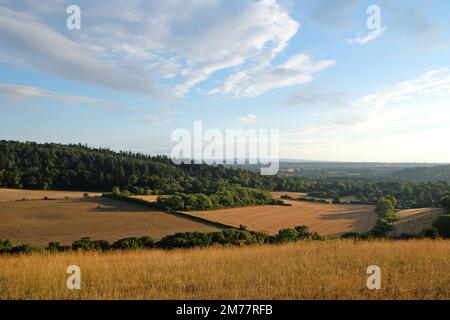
{"type": "Point", "coordinates": [186, 240]}
{"type": "Point", "coordinates": [85, 244]}
{"type": "Point", "coordinates": [431, 233]}
{"type": "Point", "coordinates": [22, 249]}
{"type": "Point", "coordinates": [86, 195]}
{"type": "Point", "coordinates": [5, 246]}
{"type": "Point", "coordinates": [54, 247]}
{"type": "Point", "coordinates": [351, 235]}
{"type": "Point", "coordinates": [442, 224]}
{"type": "Point", "coordinates": [295, 234]}
{"type": "Point", "coordinates": [133, 243]}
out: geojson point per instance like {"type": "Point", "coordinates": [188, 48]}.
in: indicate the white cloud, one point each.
{"type": "Point", "coordinates": [16, 93]}
{"type": "Point", "coordinates": [248, 118]}
{"type": "Point", "coordinates": [433, 83]}
{"type": "Point", "coordinates": [372, 35]}
{"type": "Point", "coordinates": [155, 121]}
{"type": "Point", "coordinates": [142, 46]}
{"type": "Point", "coordinates": [30, 42]}
{"type": "Point", "coordinates": [259, 79]}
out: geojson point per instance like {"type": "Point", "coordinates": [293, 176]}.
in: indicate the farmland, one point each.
{"type": "Point", "coordinates": [20, 194]}
{"type": "Point", "coordinates": [332, 269]}
{"type": "Point", "coordinates": [326, 219]}
{"type": "Point", "coordinates": [38, 222]}
{"type": "Point", "coordinates": [413, 221]}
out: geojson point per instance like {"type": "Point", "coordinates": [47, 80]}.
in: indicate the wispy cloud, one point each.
{"type": "Point", "coordinates": [259, 79]}
{"type": "Point", "coordinates": [314, 97]}
{"type": "Point", "coordinates": [18, 94]}
{"type": "Point", "coordinates": [248, 118]}
{"type": "Point", "coordinates": [433, 83]}
{"type": "Point", "coordinates": [371, 36]}
{"type": "Point", "coordinates": [155, 121]}
{"type": "Point", "coordinates": [29, 42]}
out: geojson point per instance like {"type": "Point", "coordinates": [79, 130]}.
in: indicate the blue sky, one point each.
{"type": "Point", "coordinates": [138, 70]}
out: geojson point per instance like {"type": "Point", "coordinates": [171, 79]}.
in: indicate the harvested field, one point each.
{"type": "Point", "coordinates": [332, 269]}
{"type": "Point", "coordinates": [20, 194]}
{"type": "Point", "coordinates": [38, 222]}
{"type": "Point", "coordinates": [326, 219]}
{"type": "Point", "coordinates": [151, 198]}
{"type": "Point", "coordinates": [413, 221]}
{"type": "Point", "coordinates": [278, 194]}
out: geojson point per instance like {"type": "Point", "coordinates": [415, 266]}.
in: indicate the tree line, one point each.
{"type": "Point", "coordinates": [77, 167]}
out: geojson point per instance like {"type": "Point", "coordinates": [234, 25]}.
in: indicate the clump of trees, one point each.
{"type": "Point", "coordinates": [228, 237]}
{"type": "Point", "coordinates": [386, 208]}
{"type": "Point", "coordinates": [235, 196]}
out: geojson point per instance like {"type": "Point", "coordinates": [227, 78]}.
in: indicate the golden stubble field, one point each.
{"type": "Point", "coordinates": [413, 221]}
{"type": "Point", "coordinates": [38, 222]}
{"type": "Point", "coordinates": [331, 269]}
{"type": "Point", "coordinates": [326, 219]}
{"type": "Point", "coordinates": [20, 194]}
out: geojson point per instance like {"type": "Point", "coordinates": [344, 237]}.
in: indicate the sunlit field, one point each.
{"type": "Point", "coordinates": [332, 269]}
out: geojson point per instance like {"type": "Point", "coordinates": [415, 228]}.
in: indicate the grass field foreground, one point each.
{"type": "Point", "coordinates": [332, 269]}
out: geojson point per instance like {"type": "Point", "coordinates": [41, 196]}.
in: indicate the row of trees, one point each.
{"type": "Point", "coordinates": [229, 237]}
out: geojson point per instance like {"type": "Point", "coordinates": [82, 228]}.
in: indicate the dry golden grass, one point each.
{"type": "Point", "coordinates": [326, 219]}
{"type": "Point", "coordinates": [20, 194]}
{"type": "Point", "coordinates": [333, 269]}
{"type": "Point", "coordinates": [38, 222]}
{"type": "Point", "coordinates": [413, 221]}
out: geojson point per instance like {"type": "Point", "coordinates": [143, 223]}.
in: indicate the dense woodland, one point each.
{"type": "Point", "coordinates": [77, 167]}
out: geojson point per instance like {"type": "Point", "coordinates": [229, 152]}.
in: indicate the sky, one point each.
{"type": "Point", "coordinates": [340, 80]}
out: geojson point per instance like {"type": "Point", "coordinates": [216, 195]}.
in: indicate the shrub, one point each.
{"type": "Point", "coordinates": [351, 235]}
{"type": "Point", "coordinates": [54, 247]}
{"type": "Point", "coordinates": [100, 245]}
{"type": "Point", "coordinates": [431, 233]}
{"type": "Point", "coordinates": [5, 246]}
{"type": "Point", "coordinates": [86, 195]}
{"type": "Point", "coordinates": [186, 240]}
{"type": "Point", "coordinates": [133, 243]}
{"type": "Point", "coordinates": [442, 224]}
{"type": "Point", "coordinates": [22, 249]}
{"type": "Point", "coordinates": [286, 235]}
{"type": "Point", "coordinates": [85, 244]}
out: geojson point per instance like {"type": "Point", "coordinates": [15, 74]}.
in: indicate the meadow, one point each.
{"type": "Point", "coordinates": [331, 269]}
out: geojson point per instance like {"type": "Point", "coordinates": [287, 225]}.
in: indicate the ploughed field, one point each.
{"type": "Point", "coordinates": [331, 269]}
{"type": "Point", "coordinates": [39, 222]}
{"type": "Point", "coordinates": [326, 219]}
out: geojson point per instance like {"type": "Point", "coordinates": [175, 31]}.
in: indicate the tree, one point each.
{"type": "Point", "coordinates": [445, 203]}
